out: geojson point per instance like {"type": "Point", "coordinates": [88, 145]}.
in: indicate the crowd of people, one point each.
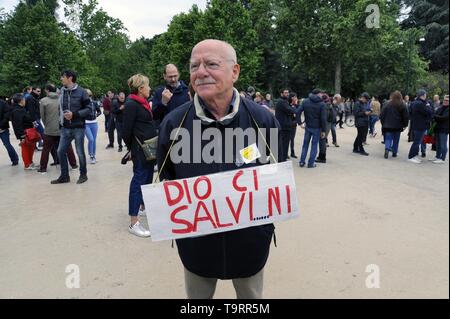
{"type": "Point", "coordinates": [71, 113]}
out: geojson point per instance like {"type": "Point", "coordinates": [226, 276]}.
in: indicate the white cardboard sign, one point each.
{"type": "Point", "coordinates": [221, 202]}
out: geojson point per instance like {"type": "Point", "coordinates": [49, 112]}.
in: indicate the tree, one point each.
{"type": "Point", "coordinates": [432, 15]}
{"type": "Point", "coordinates": [104, 40]}
{"type": "Point", "coordinates": [340, 50]}
{"type": "Point", "coordinates": [44, 50]}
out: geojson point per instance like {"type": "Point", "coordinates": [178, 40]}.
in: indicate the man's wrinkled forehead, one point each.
{"type": "Point", "coordinates": [212, 51]}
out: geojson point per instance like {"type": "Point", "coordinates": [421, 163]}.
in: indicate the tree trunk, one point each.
{"type": "Point", "coordinates": [338, 77]}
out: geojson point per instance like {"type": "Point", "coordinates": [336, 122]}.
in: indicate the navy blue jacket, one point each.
{"type": "Point", "coordinates": [180, 96]}
{"type": "Point", "coordinates": [32, 106]}
{"type": "Point", "coordinates": [315, 112]}
{"type": "Point", "coordinates": [5, 115]}
{"type": "Point", "coordinates": [361, 119]}
{"type": "Point", "coordinates": [421, 115]}
{"type": "Point", "coordinates": [235, 254]}
{"type": "Point", "coordinates": [284, 113]}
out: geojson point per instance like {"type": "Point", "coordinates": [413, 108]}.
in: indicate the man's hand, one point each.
{"type": "Point", "coordinates": [322, 135]}
{"type": "Point", "coordinates": [166, 96]}
{"type": "Point", "coordinates": [68, 115]}
{"type": "Point", "coordinates": [122, 107]}
{"type": "Point", "coordinates": [368, 113]}
{"type": "Point", "coordinates": [302, 125]}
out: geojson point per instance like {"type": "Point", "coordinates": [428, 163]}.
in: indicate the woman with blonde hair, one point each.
{"type": "Point", "coordinates": [138, 126]}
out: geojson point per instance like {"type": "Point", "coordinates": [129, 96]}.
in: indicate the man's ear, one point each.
{"type": "Point", "coordinates": [236, 72]}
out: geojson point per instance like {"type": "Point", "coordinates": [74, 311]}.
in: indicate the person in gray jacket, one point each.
{"type": "Point", "coordinates": [75, 107]}
{"type": "Point", "coordinates": [49, 111]}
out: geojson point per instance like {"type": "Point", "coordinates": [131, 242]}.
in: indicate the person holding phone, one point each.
{"type": "Point", "coordinates": [174, 94]}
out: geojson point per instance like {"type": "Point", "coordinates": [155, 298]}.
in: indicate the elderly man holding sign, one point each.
{"type": "Point", "coordinates": [216, 198]}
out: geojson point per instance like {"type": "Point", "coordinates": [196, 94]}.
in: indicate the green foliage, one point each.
{"type": "Point", "coordinates": [432, 15]}
{"type": "Point", "coordinates": [280, 43]}
{"type": "Point", "coordinates": [35, 49]}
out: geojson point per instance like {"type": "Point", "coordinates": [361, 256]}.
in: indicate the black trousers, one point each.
{"type": "Point", "coordinates": [285, 140]}
{"type": "Point", "coordinates": [360, 138]}
{"type": "Point", "coordinates": [111, 128]}
{"type": "Point", "coordinates": [293, 132]}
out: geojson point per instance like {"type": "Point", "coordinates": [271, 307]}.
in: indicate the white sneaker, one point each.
{"type": "Point", "coordinates": [93, 160]}
{"type": "Point", "coordinates": [138, 230]}
{"type": "Point", "coordinates": [415, 160]}
{"type": "Point", "coordinates": [438, 161]}
{"type": "Point", "coordinates": [433, 159]}
{"type": "Point", "coordinates": [30, 168]}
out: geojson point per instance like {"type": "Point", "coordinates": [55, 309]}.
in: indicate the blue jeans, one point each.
{"type": "Point", "coordinates": [372, 121]}
{"type": "Point", "coordinates": [441, 145]}
{"type": "Point", "coordinates": [4, 136]}
{"type": "Point", "coordinates": [67, 135]}
{"type": "Point", "coordinates": [391, 141]}
{"type": "Point", "coordinates": [417, 142]}
{"type": "Point", "coordinates": [314, 134]}
{"type": "Point", "coordinates": [91, 134]}
{"type": "Point", "coordinates": [142, 175]}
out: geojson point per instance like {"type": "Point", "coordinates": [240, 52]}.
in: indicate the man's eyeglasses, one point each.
{"type": "Point", "coordinates": [211, 65]}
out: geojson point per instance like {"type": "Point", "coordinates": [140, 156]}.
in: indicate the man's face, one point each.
{"type": "Point", "coordinates": [37, 91]}
{"type": "Point", "coordinates": [22, 102]}
{"type": "Point", "coordinates": [122, 97]}
{"type": "Point", "coordinates": [445, 102]}
{"type": "Point", "coordinates": [110, 94]}
{"type": "Point", "coordinates": [285, 93]}
{"type": "Point", "coordinates": [213, 73]}
{"type": "Point", "coordinates": [65, 81]}
{"type": "Point", "coordinates": [436, 98]}
{"type": "Point", "coordinates": [363, 99]}
{"type": "Point", "coordinates": [172, 76]}
{"type": "Point", "coordinates": [407, 98]}
{"type": "Point", "coordinates": [268, 97]}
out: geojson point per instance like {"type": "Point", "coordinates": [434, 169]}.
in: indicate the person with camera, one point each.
{"type": "Point", "coordinates": [362, 113]}
{"type": "Point", "coordinates": [174, 94]}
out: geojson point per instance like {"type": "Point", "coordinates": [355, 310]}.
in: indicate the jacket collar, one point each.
{"type": "Point", "coordinates": [201, 109]}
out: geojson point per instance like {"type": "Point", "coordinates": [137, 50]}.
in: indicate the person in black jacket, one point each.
{"type": "Point", "coordinates": [32, 106]}
{"type": "Point", "coordinates": [315, 125]}
{"type": "Point", "coordinates": [394, 119]}
{"type": "Point", "coordinates": [362, 113]}
{"type": "Point", "coordinates": [5, 114]}
{"type": "Point", "coordinates": [138, 126]}
{"type": "Point", "coordinates": [293, 101]}
{"type": "Point", "coordinates": [75, 107]}
{"type": "Point", "coordinates": [284, 113]}
{"type": "Point", "coordinates": [238, 255]}
{"type": "Point", "coordinates": [118, 105]}
{"type": "Point", "coordinates": [441, 131]}
{"type": "Point", "coordinates": [21, 121]}
{"type": "Point", "coordinates": [421, 115]}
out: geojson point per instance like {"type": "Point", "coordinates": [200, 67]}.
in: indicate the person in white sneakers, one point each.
{"type": "Point", "coordinates": [421, 115]}
{"type": "Point", "coordinates": [138, 126]}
